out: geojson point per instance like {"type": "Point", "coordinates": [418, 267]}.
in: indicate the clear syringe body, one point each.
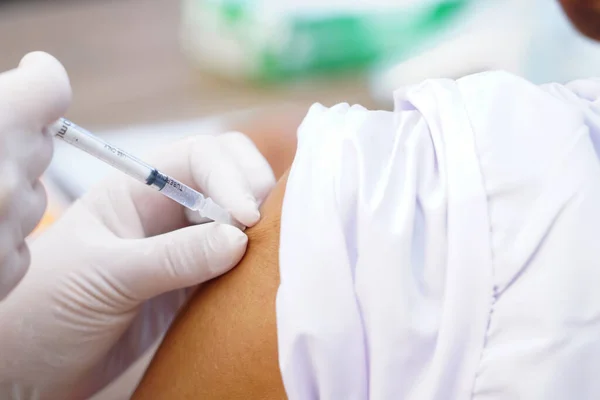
{"type": "Point", "coordinates": [139, 170]}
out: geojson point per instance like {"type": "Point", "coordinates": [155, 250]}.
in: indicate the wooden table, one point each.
{"type": "Point", "coordinates": [126, 67]}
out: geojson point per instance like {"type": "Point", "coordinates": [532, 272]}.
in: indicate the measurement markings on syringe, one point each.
{"type": "Point", "coordinates": [64, 128]}
{"type": "Point", "coordinates": [140, 171]}
{"type": "Point", "coordinates": [116, 151]}
{"type": "Point", "coordinates": [175, 184]}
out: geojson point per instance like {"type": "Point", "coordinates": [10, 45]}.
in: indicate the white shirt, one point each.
{"type": "Point", "coordinates": [447, 250]}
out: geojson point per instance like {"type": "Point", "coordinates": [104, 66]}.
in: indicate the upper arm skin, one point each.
{"type": "Point", "coordinates": [223, 345]}
{"type": "Point", "coordinates": [273, 132]}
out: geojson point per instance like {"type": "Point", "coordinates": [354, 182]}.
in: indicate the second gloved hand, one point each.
{"type": "Point", "coordinates": [107, 279]}
{"type": "Point", "coordinates": [31, 96]}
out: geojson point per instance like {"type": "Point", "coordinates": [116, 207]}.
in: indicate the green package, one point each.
{"type": "Point", "coordinates": [239, 39]}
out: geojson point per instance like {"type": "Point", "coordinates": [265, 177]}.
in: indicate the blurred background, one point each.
{"type": "Point", "coordinates": [147, 72]}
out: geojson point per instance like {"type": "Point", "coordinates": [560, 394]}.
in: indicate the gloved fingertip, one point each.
{"type": "Point", "coordinates": [44, 62]}
{"type": "Point", "coordinates": [229, 248]}
{"type": "Point", "coordinates": [235, 236]}
{"type": "Point", "coordinates": [51, 81]}
{"type": "Point", "coordinates": [265, 186]}
{"type": "Point", "coordinates": [35, 57]}
{"type": "Point", "coordinates": [245, 211]}
{"type": "Point", "coordinates": [252, 212]}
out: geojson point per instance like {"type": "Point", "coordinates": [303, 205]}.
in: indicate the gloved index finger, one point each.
{"type": "Point", "coordinates": [201, 162]}
{"type": "Point", "coordinates": [218, 176]}
{"type": "Point", "coordinates": [35, 94]}
{"type": "Point", "coordinates": [253, 165]}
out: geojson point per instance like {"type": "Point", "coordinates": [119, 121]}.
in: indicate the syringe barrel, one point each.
{"type": "Point", "coordinates": [84, 140]}
{"type": "Point", "coordinates": [177, 191]}
{"type": "Point", "coordinates": [139, 170]}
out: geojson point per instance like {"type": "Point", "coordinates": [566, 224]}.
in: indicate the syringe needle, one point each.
{"type": "Point", "coordinates": [139, 170]}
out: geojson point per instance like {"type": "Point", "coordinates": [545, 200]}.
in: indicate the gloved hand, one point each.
{"type": "Point", "coordinates": [31, 97]}
{"type": "Point", "coordinates": [107, 278]}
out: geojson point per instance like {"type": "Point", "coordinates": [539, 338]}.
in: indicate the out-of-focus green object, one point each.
{"type": "Point", "coordinates": [272, 40]}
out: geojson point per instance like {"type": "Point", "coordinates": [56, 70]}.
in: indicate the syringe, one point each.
{"type": "Point", "coordinates": [139, 170]}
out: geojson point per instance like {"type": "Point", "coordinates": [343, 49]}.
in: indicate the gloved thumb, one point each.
{"type": "Point", "coordinates": [180, 259]}
{"type": "Point", "coordinates": [35, 94]}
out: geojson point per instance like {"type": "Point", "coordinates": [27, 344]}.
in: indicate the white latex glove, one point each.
{"type": "Point", "coordinates": [107, 278]}
{"type": "Point", "coordinates": [31, 97]}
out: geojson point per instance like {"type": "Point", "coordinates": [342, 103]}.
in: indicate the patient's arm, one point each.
{"type": "Point", "coordinates": [224, 343]}
{"type": "Point", "coordinates": [274, 133]}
